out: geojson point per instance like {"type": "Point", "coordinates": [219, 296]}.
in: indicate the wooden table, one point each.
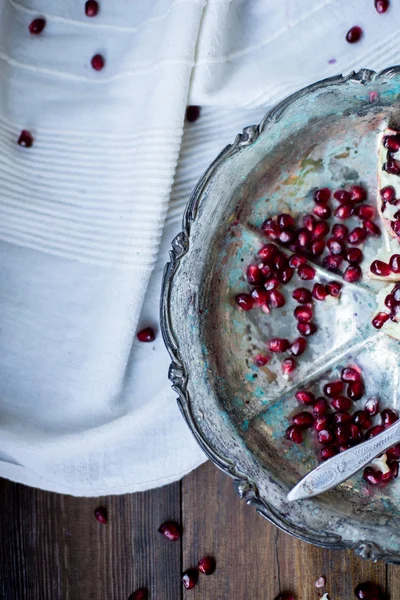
{"type": "Point", "coordinates": [52, 548]}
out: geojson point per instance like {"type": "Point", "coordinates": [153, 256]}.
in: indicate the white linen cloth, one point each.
{"type": "Point", "coordinates": [86, 409]}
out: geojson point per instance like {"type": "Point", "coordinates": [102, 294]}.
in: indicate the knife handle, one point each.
{"type": "Point", "coordinates": [342, 466]}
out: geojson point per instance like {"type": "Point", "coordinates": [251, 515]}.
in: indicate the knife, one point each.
{"type": "Point", "coordinates": [342, 466]}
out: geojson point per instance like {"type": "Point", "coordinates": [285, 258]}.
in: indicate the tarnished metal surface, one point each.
{"type": "Point", "coordinates": [325, 135]}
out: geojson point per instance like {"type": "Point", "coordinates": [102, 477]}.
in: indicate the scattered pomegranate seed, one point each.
{"type": "Point", "coordinates": [271, 229]}
{"type": "Point", "coordinates": [306, 328]}
{"type": "Point", "coordinates": [344, 211]}
{"type": "Point", "coordinates": [319, 291]}
{"type": "Point", "coordinates": [372, 406]}
{"type": "Point", "coordinates": [354, 256]}
{"type": "Point", "coordinates": [334, 388]}
{"type": "Point", "coordinates": [288, 365]}
{"type": "Point", "coordinates": [368, 590]}
{"type": "Point", "coordinates": [261, 360]}
{"type": "Point", "coordinates": [322, 195]}
{"type": "Point", "coordinates": [309, 222]}
{"type": "Point", "coordinates": [101, 515]}
{"type": "Point", "coordinates": [276, 299]}
{"type": "Point", "coordinates": [328, 452]}
{"type": "Point", "coordinates": [170, 530]}
{"type": "Point", "coordinates": [389, 301]}
{"type": "Point", "coordinates": [302, 295]}
{"type": "Point", "coordinates": [332, 262]}
{"type": "Point", "coordinates": [365, 212]}
{"type": "Point", "coordinates": [303, 420]}
{"type": "Point", "coordinates": [381, 6]}
{"type": "Point", "coordinates": [147, 334]}
{"type": "Point", "coordinates": [394, 263]}
{"type": "Point", "coordinates": [306, 272]}
{"type": "Point", "coordinates": [379, 320]}
{"type": "Point", "coordinates": [272, 284]}
{"type": "Point", "coordinates": [91, 8]}
{"type": "Point", "coordinates": [278, 345]}
{"type": "Point", "coordinates": [320, 407]}
{"type": "Point", "coordinates": [245, 301]}
{"type": "Point", "coordinates": [354, 34]}
{"type": "Point", "coordinates": [349, 375]}
{"type": "Point", "coordinates": [320, 582]}
{"type": "Point", "coordinates": [285, 221]}
{"type": "Point", "coordinates": [193, 114]}
{"type": "Point", "coordinates": [358, 194]}
{"type": "Point", "coordinates": [340, 418]}
{"type": "Point", "coordinates": [352, 274]}
{"type": "Point", "coordinates": [356, 236]}
{"type": "Point", "coordinates": [325, 437]}
{"type": "Point", "coordinates": [268, 252]}
{"type": "Point", "coordinates": [388, 194]}
{"type": "Point", "coordinates": [333, 288]}
{"type": "Point", "coordinates": [322, 211]}
{"type": "Point", "coordinates": [392, 143]}
{"type": "Point", "coordinates": [355, 390]}
{"type": "Point", "coordinates": [303, 313]}
{"type": "Point", "coordinates": [320, 230]}
{"type": "Point", "coordinates": [206, 565]}
{"type": "Point", "coordinates": [321, 423]}
{"type": "Point", "coordinates": [25, 139]}
{"type": "Point", "coordinates": [373, 477]}
{"type": "Point", "coordinates": [189, 578]}
{"type": "Point", "coordinates": [342, 434]}
{"type": "Point", "coordinates": [342, 196]}
{"type": "Point", "coordinates": [294, 434]}
{"type": "Point", "coordinates": [388, 417]}
{"type": "Point", "coordinates": [371, 228]}
{"type": "Point", "coordinates": [305, 397]}
{"type": "Point", "coordinates": [97, 62]}
{"type": "Point", "coordinates": [317, 247]}
{"type": "Point", "coordinates": [362, 419]}
{"type": "Point", "coordinates": [340, 231]}
{"type": "Point", "coordinates": [37, 26]}
{"type": "Point", "coordinates": [298, 346]}
{"type": "Point", "coordinates": [374, 431]}
{"type": "Point", "coordinates": [341, 403]}
{"type": "Point", "coordinates": [141, 594]}
{"type": "Point", "coordinates": [260, 296]}
{"type": "Point", "coordinates": [254, 275]}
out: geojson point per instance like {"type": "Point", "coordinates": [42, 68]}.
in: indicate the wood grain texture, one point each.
{"type": "Point", "coordinates": [52, 547]}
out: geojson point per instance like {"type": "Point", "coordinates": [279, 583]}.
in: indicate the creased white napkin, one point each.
{"type": "Point", "coordinates": [85, 408]}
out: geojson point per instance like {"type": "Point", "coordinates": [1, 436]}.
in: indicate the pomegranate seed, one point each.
{"type": "Point", "coordinates": [362, 419]}
{"type": "Point", "coordinates": [389, 301]}
{"type": "Point", "coordinates": [317, 247]}
{"type": "Point", "coordinates": [320, 407]}
{"type": "Point", "coordinates": [379, 320]}
{"type": "Point", "coordinates": [349, 375]}
{"type": "Point", "coordinates": [294, 434]}
{"type": "Point", "coordinates": [296, 260]}
{"type": "Point", "coordinates": [25, 139]}
{"type": "Point", "coordinates": [288, 366]}
{"type": "Point", "coordinates": [342, 196]}
{"type": "Point", "coordinates": [368, 590]}
{"type": "Point", "coordinates": [341, 403]}
{"type": "Point", "coordinates": [303, 420]}
{"type": "Point", "coordinates": [276, 299]}
{"type": "Point", "coordinates": [365, 212]}
{"type": "Point", "coordinates": [265, 271]}
{"type": "Point", "coordinates": [354, 256]}
{"type": "Point", "coordinates": [392, 166]}
{"type": "Point", "coordinates": [322, 422]}
{"type": "Point", "coordinates": [319, 292]}
{"type": "Point", "coordinates": [303, 237]}
{"type": "Point", "coordinates": [141, 594]}
{"type": "Point", "coordinates": [298, 346]}
{"type": "Point", "coordinates": [392, 143]}
{"type": "Point", "coordinates": [286, 596]}
{"type": "Point", "coordinates": [373, 477]}
{"type": "Point", "coordinates": [352, 274]}
{"type": "Point", "coordinates": [146, 335]}
{"type": "Point", "coordinates": [302, 295]}
{"type": "Point", "coordinates": [322, 195]}
{"type": "Point", "coordinates": [192, 114]}
{"type": "Point", "coordinates": [388, 417]}
{"type": "Point", "coordinates": [91, 8]}
{"type": "Point", "coordinates": [380, 268]}
{"type": "Point", "coordinates": [334, 388]}
{"type": "Point", "coordinates": [372, 406]}
{"type": "Point", "coordinates": [303, 313]}
{"type": "Point", "coordinates": [335, 246]}
{"type": "Point", "coordinates": [285, 221]}
{"type": "Point", "coordinates": [206, 565]}
{"type": "Point", "coordinates": [268, 252]}
{"type": "Point", "coordinates": [285, 275]}
{"type": "Point", "coordinates": [356, 236]}
{"type": "Point", "coordinates": [320, 230]}
{"type": "Point", "coordinates": [395, 314]}
{"type": "Point", "coordinates": [342, 433]}
{"type": "Point", "coordinates": [355, 433]}
{"type": "Point", "coordinates": [97, 62]}
{"type": "Point", "coordinates": [325, 437]}
{"type": "Point", "coordinates": [386, 477]}
{"type": "Point", "coordinates": [374, 431]}
{"type": "Point", "coordinates": [381, 6]}
{"type": "Point", "coordinates": [393, 453]}
{"type": "Point", "coordinates": [394, 263]}
{"type": "Point", "coordinates": [101, 515]}
{"type": "Point", "coordinates": [261, 360]}
{"type": "Point", "coordinates": [271, 229]}
{"type": "Point", "coordinates": [388, 194]}
{"type": "Point", "coordinates": [245, 301]}
{"type": "Point", "coordinates": [278, 345]}
{"type": "Point", "coordinates": [37, 26]}
{"type": "Point", "coordinates": [396, 227]}
{"type": "Point", "coordinates": [340, 418]}
{"type": "Point", "coordinates": [320, 583]}
{"type": "Point", "coordinates": [306, 328]}
{"type": "Point", "coordinates": [305, 397]}
{"type": "Point", "coordinates": [170, 530]}
{"type": "Point", "coordinates": [333, 288]}
{"type": "Point", "coordinates": [189, 578]}
{"type": "Point", "coordinates": [254, 275]}
{"type": "Point", "coordinates": [355, 390]}
{"type": "Point", "coordinates": [340, 231]}
{"type": "Point", "coordinates": [358, 194]}
{"type": "Point", "coordinates": [371, 228]}
{"type": "Point", "coordinates": [272, 284]}
{"type": "Point", "coordinates": [328, 452]}
{"type": "Point", "coordinates": [394, 469]}
{"type": "Point", "coordinates": [322, 211]}
{"type": "Point", "coordinates": [332, 262]}
{"type": "Point", "coordinates": [306, 272]}
{"type": "Point", "coordinates": [344, 211]}
{"type": "Point", "coordinates": [354, 34]}
{"type": "Point", "coordinates": [260, 296]}
{"type": "Point", "coordinates": [309, 222]}
{"type": "Point", "coordinates": [287, 236]}
{"type": "Point", "coordinates": [280, 262]}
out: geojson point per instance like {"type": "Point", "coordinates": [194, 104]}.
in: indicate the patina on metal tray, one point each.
{"type": "Point", "coordinates": [323, 135]}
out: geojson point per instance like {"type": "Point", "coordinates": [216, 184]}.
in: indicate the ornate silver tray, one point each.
{"type": "Point", "coordinates": [324, 135]}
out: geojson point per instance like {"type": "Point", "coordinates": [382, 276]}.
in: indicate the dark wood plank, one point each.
{"type": "Point", "coordinates": [217, 522]}
{"type": "Point", "coordinates": [52, 547]}
{"type": "Point", "coordinates": [393, 581]}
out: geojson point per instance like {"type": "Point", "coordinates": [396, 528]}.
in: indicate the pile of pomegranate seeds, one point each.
{"type": "Point", "coordinates": [146, 335]}
{"type": "Point", "coordinates": [336, 429]}
{"type": "Point", "coordinates": [101, 515]}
